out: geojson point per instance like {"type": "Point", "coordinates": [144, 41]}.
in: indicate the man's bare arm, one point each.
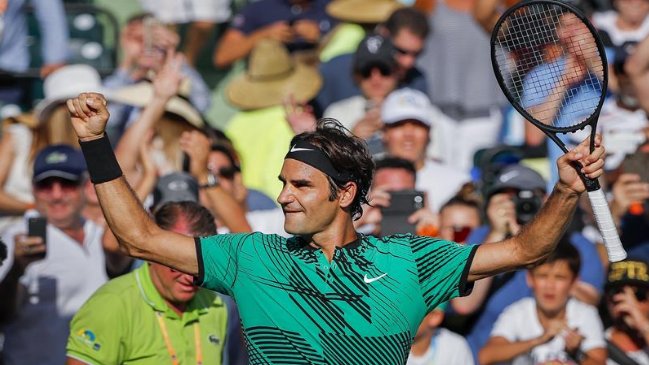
{"type": "Point", "coordinates": [541, 235]}
{"type": "Point", "coordinates": [136, 232]}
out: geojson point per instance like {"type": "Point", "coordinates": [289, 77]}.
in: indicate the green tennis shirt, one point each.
{"type": "Point", "coordinates": [118, 325]}
{"type": "Point", "coordinates": [363, 307]}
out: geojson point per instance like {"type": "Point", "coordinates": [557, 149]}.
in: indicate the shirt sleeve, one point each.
{"type": "Point", "coordinates": [443, 269]}
{"type": "Point", "coordinates": [97, 331]}
{"type": "Point", "coordinates": [245, 21]}
{"type": "Point", "coordinates": [54, 30]}
{"type": "Point", "coordinates": [218, 260]}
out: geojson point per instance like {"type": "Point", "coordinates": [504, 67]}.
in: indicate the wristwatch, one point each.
{"type": "Point", "coordinates": [212, 181]}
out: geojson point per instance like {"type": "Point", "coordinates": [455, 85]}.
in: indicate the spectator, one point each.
{"type": "Point", "coordinates": [408, 117]}
{"type": "Point", "coordinates": [436, 345]}
{"type": "Point", "coordinates": [14, 55]}
{"type": "Point", "coordinates": [407, 30]}
{"type": "Point", "coordinates": [358, 18]}
{"type": "Point", "coordinates": [375, 72]}
{"type": "Point", "coordinates": [505, 217]}
{"type": "Point", "coordinates": [41, 295]}
{"type": "Point", "coordinates": [165, 116]}
{"type": "Point", "coordinates": [628, 306]}
{"type": "Point", "coordinates": [26, 135]}
{"type": "Point", "coordinates": [298, 24]}
{"type": "Point", "coordinates": [461, 82]}
{"type": "Point", "coordinates": [577, 68]}
{"type": "Point", "coordinates": [201, 16]}
{"type": "Point", "coordinates": [551, 327]}
{"type": "Point", "coordinates": [627, 23]}
{"type": "Point", "coordinates": [155, 312]}
{"type": "Point", "coordinates": [458, 217]}
{"type": "Point", "coordinates": [272, 76]}
{"type": "Point", "coordinates": [145, 44]}
{"type": "Point", "coordinates": [390, 175]}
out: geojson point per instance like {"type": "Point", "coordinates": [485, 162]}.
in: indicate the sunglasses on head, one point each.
{"type": "Point", "coordinates": [385, 70]}
{"type": "Point", "coordinates": [48, 183]}
{"type": "Point", "coordinates": [406, 52]}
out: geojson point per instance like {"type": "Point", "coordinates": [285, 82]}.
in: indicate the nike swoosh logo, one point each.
{"type": "Point", "coordinates": [297, 149]}
{"type": "Point", "coordinates": [371, 280]}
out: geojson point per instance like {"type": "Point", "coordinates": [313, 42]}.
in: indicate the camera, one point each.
{"type": "Point", "coordinates": [527, 204]}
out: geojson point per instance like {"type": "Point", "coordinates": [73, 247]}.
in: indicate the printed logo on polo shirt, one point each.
{"type": "Point", "coordinates": [214, 340]}
{"type": "Point", "coordinates": [88, 337]}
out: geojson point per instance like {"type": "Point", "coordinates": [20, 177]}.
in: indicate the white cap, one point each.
{"type": "Point", "coordinates": [407, 104]}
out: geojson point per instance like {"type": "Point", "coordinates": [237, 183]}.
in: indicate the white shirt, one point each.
{"type": "Point", "coordinates": [440, 182]}
{"type": "Point", "coordinates": [446, 348]}
{"type": "Point", "coordinates": [520, 322]}
{"type": "Point", "coordinates": [185, 11]}
{"type": "Point", "coordinates": [56, 287]}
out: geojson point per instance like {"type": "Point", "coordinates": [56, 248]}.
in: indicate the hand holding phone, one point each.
{"type": "Point", "coordinates": [37, 227]}
{"type": "Point", "coordinates": [402, 205]}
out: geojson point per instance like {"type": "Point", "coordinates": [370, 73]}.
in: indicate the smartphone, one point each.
{"type": "Point", "coordinates": [402, 204]}
{"type": "Point", "coordinates": [37, 227]}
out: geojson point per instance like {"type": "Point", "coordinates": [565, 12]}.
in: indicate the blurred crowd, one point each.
{"type": "Point", "coordinates": [227, 84]}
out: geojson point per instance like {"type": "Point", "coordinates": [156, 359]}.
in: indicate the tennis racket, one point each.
{"type": "Point", "coordinates": [551, 66]}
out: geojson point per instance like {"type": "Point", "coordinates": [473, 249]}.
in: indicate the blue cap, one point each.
{"type": "Point", "coordinates": [62, 161]}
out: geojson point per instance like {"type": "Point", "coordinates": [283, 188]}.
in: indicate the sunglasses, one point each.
{"type": "Point", "coordinates": [48, 184]}
{"type": "Point", "coordinates": [405, 52]}
{"type": "Point", "coordinates": [227, 172]}
{"type": "Point", "coordinates": [385, 70]}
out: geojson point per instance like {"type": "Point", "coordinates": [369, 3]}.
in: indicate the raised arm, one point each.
{"type": "Point", "coordinates": [137, 234]}
{"type": "Point", "coordinates": [165, 85]}
{"type": "Point", "coordinates": [537, 239]}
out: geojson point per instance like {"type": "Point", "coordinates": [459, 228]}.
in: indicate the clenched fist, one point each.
{"type": "Point", "coordinates": [89, 115]}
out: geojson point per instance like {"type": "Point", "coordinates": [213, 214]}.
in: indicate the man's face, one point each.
{"type": "Point", "coordinates": [175, 287]}
{"type": "Point", "coordinates": [376, 83]}
{"type": "Point", "coordinates": [394, 179]}
{"type": "Point", "coordinates": [575, 37]}
{"type": "Point", "coordinates": [632, 11]}
{"type": "Point", "coordinates": [551, 284]}
{"type": "Point", "coordinates": [408, 47]}
{"type": "Point", "coordinates": [60, 200]}
{"type": "Point", "coordinates": [407, 140]}
{"type": "Point", "coordinates": [305, 199]}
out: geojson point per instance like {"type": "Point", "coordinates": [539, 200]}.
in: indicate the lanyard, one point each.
{"type": "Point", "coordinates": [170, 349]}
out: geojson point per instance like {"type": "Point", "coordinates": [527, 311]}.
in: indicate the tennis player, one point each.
{"type": "Point", "coordinates": [327, 295]}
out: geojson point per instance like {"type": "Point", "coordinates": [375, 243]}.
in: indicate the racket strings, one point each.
{"type": "Point", "coordinates": [551, 64]}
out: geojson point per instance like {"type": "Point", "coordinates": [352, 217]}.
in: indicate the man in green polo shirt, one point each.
{"type": "Point", "coordinates": [155, 315]}
{"type": "Point", "coordinates": [328, 295]}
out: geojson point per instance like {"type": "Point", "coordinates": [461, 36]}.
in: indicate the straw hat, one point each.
{"type": "Point", "coordinates": [65, 83]}
{"type": "Point", "coordinates": [363, 11]}
{"type": "Point", "coordinates": [271, 76]}
{"type": "Point", "coordinates": [141, 94]}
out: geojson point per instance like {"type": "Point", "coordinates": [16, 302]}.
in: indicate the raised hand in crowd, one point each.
{"type": "Point", "coordinates": [307, 29]}
{"type": "Point", "coordinates": [626, 303]}
{"type": "Point", "coordinates": [370, 123]}
{"type": "Point", "coordinates": [299, 115]}
{"type": "Point", "coordinates": [501, 214]}
{"type": "Point", "coordinates": [221, 202]}
{"type": "Point", "coordinates": [628, 189]}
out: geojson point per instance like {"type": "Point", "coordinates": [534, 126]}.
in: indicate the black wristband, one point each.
{"type": "Point", "coordinates": [100, 159]}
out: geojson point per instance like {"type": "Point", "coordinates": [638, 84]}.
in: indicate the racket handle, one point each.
{"type": "Point", "coordinates": [606, 226]}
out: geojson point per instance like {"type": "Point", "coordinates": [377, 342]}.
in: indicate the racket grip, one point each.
{"type": "Point", "coordinates": [606, 226]}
